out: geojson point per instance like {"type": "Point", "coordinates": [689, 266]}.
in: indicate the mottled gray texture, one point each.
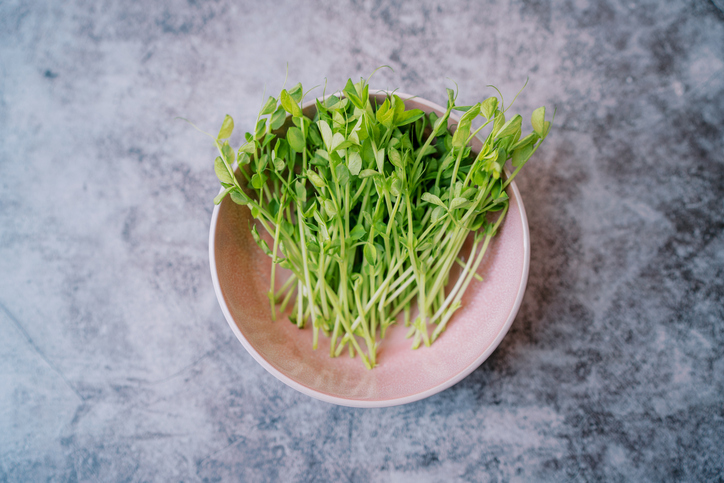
{"type": "Point", "coordinates": [116, 363]}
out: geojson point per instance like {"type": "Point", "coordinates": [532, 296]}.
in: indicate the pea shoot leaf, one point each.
{"type": "Point", "coordinates": [296, 139]}
{"type": "Point", "coordinates": [296, 92]}
{"type": "Point", "coordinates": [342, 174]}
{"type": "Point", "coordinates": [510, 127]}
{"type": "Point", "coordinates": [357, 232]}
{"type": "Point", "coordinates": [431, 198]}
{"type": "Point", "coordinates": [330, 208]}
{"type": "Point", "coordinates": [239, 197]}
{"type": "Point", "coordinates": [315, 179]}
{"type": "Point", "coordinates": [355, 163]}
{"type": "Point", "coordinates": [488, 107]}
{"type": "Point", "coordinates": [227, 127]}
{"type": "Point", "coordinates": [278, 118]}
{"type": "Point", "coordinates": [521, 155]}
{"type": "Point", "coordinates": [370, 253]}
{"type": "Point", "coordinates": [326, 133]}
{"type": "Point", "coordinates": [269, 107]}
{"type": "Point", "coordinates": [257, 181]}
{"type": "Point", "coordinates": [289, 104]}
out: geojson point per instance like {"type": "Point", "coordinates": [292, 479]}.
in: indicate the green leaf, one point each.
{"type": "Point", "coordinates": [461, 134]}
{"type": "Point", "coordinates": [278, 118]}
{"type": "Point", "coordinates": [471, 113]}
{"type": "Point", "coordinates": [222, 172]}
{"type": "Point", "coordinates": [370, 253]}
{"type": "Point", "coordinates": [273, 207]}
{"type": "Point", "coordinates": [326, 133]}
{"type": "Point", "coordinates": [396, 188]}
{"type": "Point", "coordinates": [366, 173]}
{"type": "Point", "coordinates": [279, 162]}
{"type": "Point", "coordinates": [357, 232]}
{"type": "Point", "coordinates": [323, 231]}
{"type": "Point", "coordinates": [228, 153]}
{"type": "Point", "coordinates": [289, 104]}
{"type": "Point", "coordinates": [331, 102]}
{"type": "Point", "coordinates": [296, 93]}
{"type": "Point", "coordinates": [398, 105]}
{"type": "Point", "coordinates": [480, 220]}
{"type": "Point", "coordinates": [457, 202]}
{"type": "Point", "coordinates": [479, 177]}
{"type": "Point", "coordinates": [437, 213]}
{"type": "Point", "coordinates": [342, 174]}
{"type": "Point", "coordinates": [498, 123]}
{"type": "Point", "coordinates": [301, 191]}
{"type": "Point", "coordinates": [311, 211]}
{"type": "Point", "coordinates": [380, 157]}
{"type": "Point", "coordinates": [296, 139]}
{"type": "Point", "coordinates": [268, 138]}
{"type": "Point", "coordinates": [282, 148]}
{"type": "Point", "coordinates": [221, 195]}
{"type": "Point", "coordinates": [337, 140]}
{"type": "Point", "coordinates": [260, 128]}
{"type": "Point", "coordinates": [521, 155]}
{"type": "Point", "coordinates": [488, 107]}
{"type": "Point", "coordinates": [367, 218]}
{"type": "Point", "coordinates": [351, 93]}
{"type": "Point", "coordinates": [469, 192]}
{"type": "Point", "coordinates": [258, 180]}
{"type": "Point", "coordinates": [439, 126]}
{"type": "Point", "coordinates": [242, 158]}
{"type": "Point", "coordinates": [269, 107]}
{"type": "Point", "coordinates": [385, 114]}
{"type": "Point", "coordinates": [431, 198]}
{"type": "Point", "coordinates": [313, 247]}
{"type": "Point", "coordinates": [239, 197]}
{"type": "Point", "coordinates": [324, 155]}
{"type": "Point", "coordinates": [313, 133]}
{"type": "Point", "coordinates": [330, 208]}
{"type": "Point", "coordinates": [529, 139]}
{"type": "Point", "coordinates": [354, 162]}
{"type": "Point", "coordinates": [380, 228]}
{"type": "Point", "coordinates": [510, 127]}
{"type": "Point", "coordinates": [315, 179]}
{"type": "Point", "coordinates": [395, 158]}
{"type": "Point", "coordinates": [538, 119]}
{"type": "Point", "coordinates": [249, 147]}
{"type": "Point", "coordinates": [227, 127]}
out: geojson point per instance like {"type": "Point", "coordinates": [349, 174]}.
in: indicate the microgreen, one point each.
{"type": "Point", "coordinates": [369, 204]}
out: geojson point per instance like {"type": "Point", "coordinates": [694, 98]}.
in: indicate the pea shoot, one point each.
{"type": "Point", "coordinates": [368, 205]}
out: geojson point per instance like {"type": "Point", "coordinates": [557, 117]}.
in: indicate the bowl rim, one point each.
{"type": "Point", "coordinates": [362, 403]}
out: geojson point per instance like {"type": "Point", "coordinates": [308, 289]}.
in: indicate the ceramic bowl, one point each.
{"type": "Point", "coordinates": [241, 272]}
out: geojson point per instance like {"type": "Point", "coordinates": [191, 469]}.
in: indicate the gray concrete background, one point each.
{"type": "Point", "coordinates": [116, 363]}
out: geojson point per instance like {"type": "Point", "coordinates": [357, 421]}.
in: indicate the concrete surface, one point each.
{"type": "Point", "coordinates": [116, 363]}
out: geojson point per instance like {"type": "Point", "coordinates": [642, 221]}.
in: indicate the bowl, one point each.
{"type": "Point", "coordinates": [241, 272]}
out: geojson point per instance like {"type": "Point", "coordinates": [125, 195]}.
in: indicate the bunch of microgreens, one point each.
{"type": "Point", "coordinates": [369, 204]}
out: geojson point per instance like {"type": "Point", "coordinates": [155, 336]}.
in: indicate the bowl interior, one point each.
{"type": "Point", "coordinates": [241, 275]}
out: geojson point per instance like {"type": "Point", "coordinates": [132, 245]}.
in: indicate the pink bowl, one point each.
{"type": "Point", "coordinates": [241, 272]}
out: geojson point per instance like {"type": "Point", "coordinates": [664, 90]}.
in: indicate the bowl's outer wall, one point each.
{"type": "Point", "coordinates": [241, 274]}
